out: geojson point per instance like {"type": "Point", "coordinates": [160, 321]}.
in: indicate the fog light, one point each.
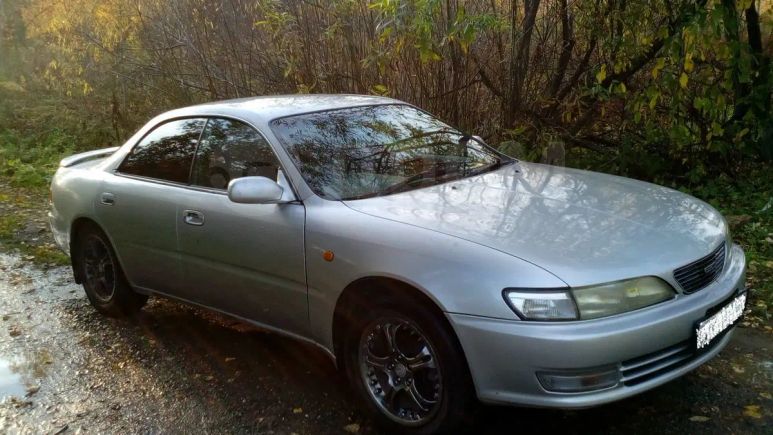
{"type": "Point", "coordinates": [579, 382]}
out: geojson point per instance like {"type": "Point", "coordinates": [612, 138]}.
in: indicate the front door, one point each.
{"type": "Point", "coordinates": [244, 259]}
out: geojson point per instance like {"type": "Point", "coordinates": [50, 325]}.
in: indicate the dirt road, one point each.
{"type": "Point", "coordinates": [66, 369]}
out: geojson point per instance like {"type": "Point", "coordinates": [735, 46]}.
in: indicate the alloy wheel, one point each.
{"type": "Point", "coordinates": [400, 370]}
{"type": "Point", "coordinates": [98, 268]}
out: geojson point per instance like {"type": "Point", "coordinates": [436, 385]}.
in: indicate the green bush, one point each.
{"type": "Point", "coordinates": [38, 129]}
{"type": "Point", "coordinates": [747, 203]}
{"type": "Point", "coordinates": [30, 161]}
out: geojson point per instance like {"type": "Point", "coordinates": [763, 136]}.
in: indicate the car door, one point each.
{"type": "Point", "coordinates": [244, 259]}
{"type": "Point", "coordinates": [138, 204]}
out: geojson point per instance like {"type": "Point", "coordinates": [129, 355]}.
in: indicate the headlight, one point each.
{"type": "Point", "coordinates": [590, 302]}
{"type": "Point", "coordinates": [621, 296]}
{"type": "Point", "coordinates": [542, 304]}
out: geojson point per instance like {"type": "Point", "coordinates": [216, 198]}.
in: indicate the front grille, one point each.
{"type": "Point", "coordinates": [641, 369]}
{"type": "Point", "coordinates": [701, 273]}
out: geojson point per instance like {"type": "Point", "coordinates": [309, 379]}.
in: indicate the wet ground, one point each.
{"type": "Point", "coordinates": [66, 369]}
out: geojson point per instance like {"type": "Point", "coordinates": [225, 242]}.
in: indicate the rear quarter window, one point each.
{"type": "Point", "coordinates": [166, 153]}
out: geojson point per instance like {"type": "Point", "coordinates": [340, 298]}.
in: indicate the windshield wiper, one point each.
{"type": "Point", "coordinates": [491, 167]}
{"type": "Point", "coordinates": [398, 187]}
{"type": "Point", "coordinates": [436, 175]}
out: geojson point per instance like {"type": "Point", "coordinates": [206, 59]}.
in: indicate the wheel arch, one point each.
{"type": "Point", "coordinates": [371, 290]}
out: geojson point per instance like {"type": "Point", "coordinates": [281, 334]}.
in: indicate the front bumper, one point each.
{"type": "Point", "coordinates": [504, 355]}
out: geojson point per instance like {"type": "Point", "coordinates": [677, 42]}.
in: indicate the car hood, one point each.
{"type": "Point", "coordinates": [584, 227]}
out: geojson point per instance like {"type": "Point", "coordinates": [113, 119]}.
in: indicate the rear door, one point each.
{"type": "Point", "coordinates": [244, 259]}
{"type": "Point", "coordinates": [138, 204]}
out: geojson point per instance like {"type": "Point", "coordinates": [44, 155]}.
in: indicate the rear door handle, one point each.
{"type": "Point", "coordinates": [107, 198]}
{"type": "Point", "coordinates": [193, 217]}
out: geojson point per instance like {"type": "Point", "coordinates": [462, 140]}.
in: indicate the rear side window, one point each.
{"type": "Point", "coordinates": [231, 149]}
{"type": "Point", "coordinates": [166, 153]}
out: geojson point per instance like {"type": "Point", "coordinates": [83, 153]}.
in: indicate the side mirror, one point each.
{"type": "Point", "coordinates": [255, 190]}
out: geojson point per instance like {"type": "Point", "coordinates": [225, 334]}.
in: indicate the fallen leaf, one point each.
{"type": "Point", "coordinates": [766, 396]}
{"type": "Point", "coordinates": [17, 403]}
{"type": "Point", "coordinates": [352, 428]}
{"type": "Point", "coordinates": [699, 418]}
{"type": "Point", "coordinates": [738, 369]}
{"type": "Point", "coordinates": [752, 411]}
{"type": "Point", "coordinates": [297, 410]}
{"type": "Point", "coordinates": [229, 359]}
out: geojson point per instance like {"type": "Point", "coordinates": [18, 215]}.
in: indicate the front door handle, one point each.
{"type": "Point", "coordinates": [107, 198]}
{"type": "Point", "coordinates": [193, 217]}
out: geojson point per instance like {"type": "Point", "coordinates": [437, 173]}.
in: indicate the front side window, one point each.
{"type": "Point", "coordinates": [231, 149]}
{"type": "Point", "coordinates": [361, 152]}
{"type": "Point", "coordinates": [166, 153]}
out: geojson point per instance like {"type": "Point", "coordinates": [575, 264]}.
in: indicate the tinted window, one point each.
{"type": "Point", "coordinates": [361, 152]}
{"type": "Point", "coordinates": [166, 153]}
{"type": "Point", "coordinates": [231, 149]}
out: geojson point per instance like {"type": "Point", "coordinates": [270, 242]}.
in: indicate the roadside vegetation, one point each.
{"type": "Point", "coordinates": [674, 92]}
{"type": "Point", "coordinates": [747, 203]}
{"type": "Point", "coordinates": [23, 225]}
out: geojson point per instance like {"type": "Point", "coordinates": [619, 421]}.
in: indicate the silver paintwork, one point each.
{"type": "Point", "coordinates": [460, 243]}
{"type": "Point", "coordinates": [88, 155]}
{"type": "Point", "coordinates": [255, 190]}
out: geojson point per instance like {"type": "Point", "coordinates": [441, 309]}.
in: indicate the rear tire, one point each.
{"type": "Point", "coordinates": [101, 274]}
{"type": "Point", "coordinates": [419, 385]}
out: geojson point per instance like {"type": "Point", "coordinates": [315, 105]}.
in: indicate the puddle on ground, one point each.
{"type": "Point", "coordinates": [10, 380]}
{"type": "Point", "coordinates": [18, 375]}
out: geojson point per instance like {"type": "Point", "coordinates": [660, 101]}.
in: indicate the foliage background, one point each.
{"type": "Point", "coordinates": [676, 92]}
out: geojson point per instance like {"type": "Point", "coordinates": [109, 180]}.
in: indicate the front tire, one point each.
{"type": "Point", "coordinates": [102, 276]}
{"type": "Point", "coordinates": [408, 367]}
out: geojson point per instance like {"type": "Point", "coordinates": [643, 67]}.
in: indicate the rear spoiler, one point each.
{"type": "Point", "coordinates": [88, 155]}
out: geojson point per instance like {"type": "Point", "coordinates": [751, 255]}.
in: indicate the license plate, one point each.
{"type": "Point", "coordinates": [710, 328]}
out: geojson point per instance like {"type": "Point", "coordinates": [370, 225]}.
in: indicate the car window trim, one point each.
{"type": "Point", "coordinates": [117, 170]}
{"type": "Point", "coordinates": [189, 185]}
{"type": "Point", "coordinates": [196, 151]}
{"type": "Point", "coordinates": [170, 183]}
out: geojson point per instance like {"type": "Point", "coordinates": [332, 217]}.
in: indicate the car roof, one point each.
{"type": "Point", "coordinates": [267, 108]}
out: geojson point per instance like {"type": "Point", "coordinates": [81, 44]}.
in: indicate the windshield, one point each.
{"type": "Point", "coordinates": [361, 152]}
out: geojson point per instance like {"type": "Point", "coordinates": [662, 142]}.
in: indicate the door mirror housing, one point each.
{"type": "Point", "coordinates": [255, 190]}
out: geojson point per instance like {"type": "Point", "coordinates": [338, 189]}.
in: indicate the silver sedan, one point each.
{"type": "Point", "coordinates": [436, 271]}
